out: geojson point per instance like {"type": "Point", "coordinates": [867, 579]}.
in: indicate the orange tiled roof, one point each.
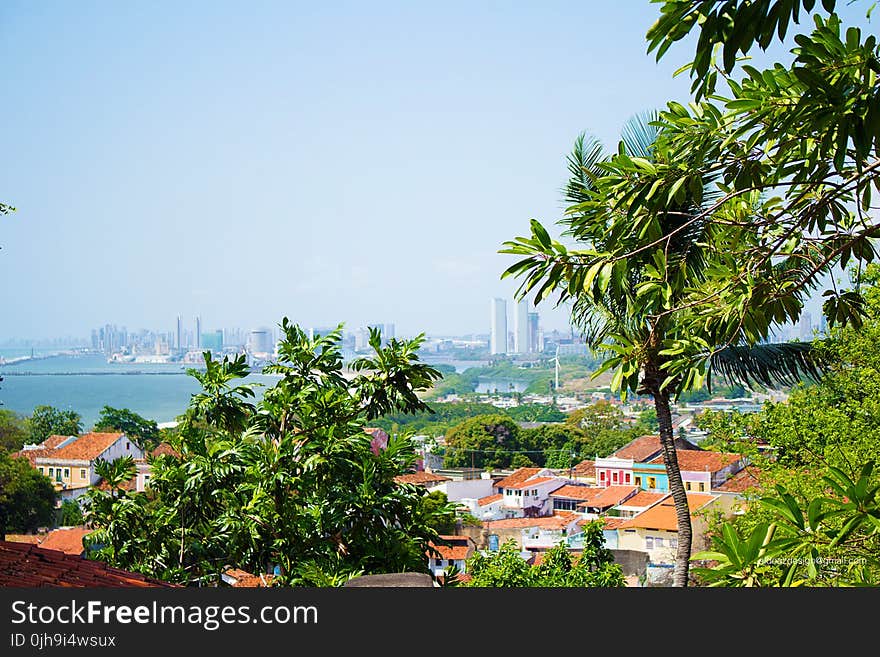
{"type": "Point", "coordinates": [483, 501]}
{"type": "Point", "coordinates": [585, 468]}
{"type": "Point", "coordinates": [420, 478]}
{"type": "Point", "coordinates": [530, 482]}
{"type": "Point", "coordinates": [517, 477]}
{"type": "Point", "coordinates": [45, 448]}
{"type": "Point", "coordinates": [246, 580]}
{"type": "Point", "coordinates": [68, 540]}
{"type": "Point", "coordinates": [612, 523]}
{"type": "Point", "coordinates": [87, 447]}
{"type": "Point", "coordinates": [644, 498]}
{"type": "Point", "coordinates": [164, 449]}
{"type": "Point", "coordinates": [646, 447]}
{"type": "Point", "coordinates": [703, 461]}
{"type": "Point", "coordinates": [128, 485]}
{"type": "Point", "coordinates": [662, 516]}
{"type": "Point", "coordinates": [456, 552]}
{"type": "Point", "coordinates": [742, 481]}
{"type": "Point", "coordinates": [558, 520]}
{"type": "Point", "coordinates": [611, 496]}
{"type": "Point", "coordinates": [53, 441]}
{"type": "Point", "coordinates": [576, 492]}
{"type": "Point", "coordinates": [29, 566]}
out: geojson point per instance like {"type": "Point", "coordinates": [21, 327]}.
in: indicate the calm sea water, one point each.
{"type": "Point", "coordinates": [85, 384]}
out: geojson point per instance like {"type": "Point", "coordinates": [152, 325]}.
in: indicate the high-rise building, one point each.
{"type": "Point", "coordinates": [212, 341]}
{"type": "Point", "coordinates": [805, 326]}
{"type": "Point", "coordinates": [535, 343]}
{"type": "Point", "coordinates": [198, 335]}
{"type": "Point", "coordinates": [259, 341]}
{"type": "Point", "coordinates": [178, 344]}
{"type": "Point", "coordinates": [521, 327]}
{"type": "Point", "coordinates": [498, 331]}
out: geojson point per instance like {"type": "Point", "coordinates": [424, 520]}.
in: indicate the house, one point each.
{"type": "Point", "coordinates": [645, 448]}
{"type": "Point", "coordinates": [641, 501]}
{"type": "Point", "coordinates": [528, 493]}
{"type": "Point", "coordinates": [605, 499]}
{"type": "Point", "coordinates": [452, 551]}
{"type": "Point", "coordinates": [489, 507]}
{"type": "Point", "coordinates": [68, 540]}
{"type": "Point", "coordinates": [651, 476]}
{"type": "Point", "coordinates": [569, 496]}
{"type": "Point", "coordinates": [655, 530]}
{"type": "Point", "coordinates": [539, 533]}
{"type": "Point", "coordinates": [585, 472]}
{"type": "Point", "coordinates": [70, 462]}
{"type": "Point", "coordinates": [427, 480]}
{"type": "Point", "coordinates": [30, 566]}
{"type": "Point", "coordinates": [704, 471]}
{"type": "Point", "coordinates": [747, 479]}
{"type": "Point", "coordinates": [614, 471]}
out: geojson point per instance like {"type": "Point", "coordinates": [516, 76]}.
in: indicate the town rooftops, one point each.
{"type": "Point", "coordinates": [420, 478]}
{"type": "Point", "coordinates": [559, 520]}
{"type": "Point", "coordinates": [585, 468]}
{"type": "Point", "coordinates": [610, 496]}
{"type": "Point", "coordinates": [87, 447]}
{"type": "Point", "coordinates": [744, 480]}
{"type": "Point", "coordinates": [662, 516]}
{"type": "Point", "coordinates": [33, 452]}
{"type": "Point", "coordinates": [702, 461]}
{"type": "Point", "coordinates": [517, 477]}
{"type": "Point", "coordinates": [460, 549]}
{"type": "Point", "coordinates": [646, 447]}
{"type": "Point", "coordinates": [528, 483]}
{"type": "Point", "coordinates": [66, 539]}
{"type": "Point", "coordinates": [24, 565]}
{"type": "Point", "coordinates": [571, 492]}
{"type": "Point", "coordinates": [643, 498]}
{"type": "Point", "coordinates": [483, 501]}
{"type": "Point", "coordinates": [239, 578]}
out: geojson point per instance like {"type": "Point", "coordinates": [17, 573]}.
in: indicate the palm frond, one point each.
{"type": "Point", "coordinates": [583, 167]}
{"type": "Point", "coordinates": [769, 365]}
{"type": "Point", "coordinates": [639, 134]}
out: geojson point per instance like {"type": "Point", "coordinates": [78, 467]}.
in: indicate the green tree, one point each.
{"type": "Point", "coordinates": [27, 498]}
{"type": "Point", "coordinates": [630, 282]}
{"type": "Point", "coordinates": [71, 513]}
{"type": "Point", "coordinates": [292, 483]}
{"type": "Point", "coordinates": [143, 431]}
{"type": "Point", "coordinates": [486, 441]}
{"type": "Point", "coordinates": [13, 430]}
{"type": "Point", "coordinates": [48, 421]}
{"type": "Point", "coordinates": [438, 513]}
{"type": "Point", "coordinates": [559, 568]}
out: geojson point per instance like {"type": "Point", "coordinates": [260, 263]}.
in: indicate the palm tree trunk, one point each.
{"type": "Point", "coordinates": [651, 384]}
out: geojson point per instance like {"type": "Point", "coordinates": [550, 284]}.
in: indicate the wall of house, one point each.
{"type": "Point", "coordinates": [695, 479]}
{"type": "Point", "coordinates": [458, 490]}
{"type": "Point", "coordinates": [122, 447]}
{"type": "Point", "coordinates": [74, 474]}
{"type": "Point", "coordinates": [643, 474]}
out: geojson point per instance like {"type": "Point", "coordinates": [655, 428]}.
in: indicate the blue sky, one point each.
{"type": "Point", "coordinates": [331, 162]}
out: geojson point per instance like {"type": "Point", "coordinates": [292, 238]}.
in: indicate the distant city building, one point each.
{"type": "Point", "coordinates": [260, 341]}
{"type": "Point", "coordinates": [178, 344]}
{"type": "Point", "coordinates": [198, 332]}
{"type": "Point", "coordinates": [361, 339]}
{"type": "Point", "coordinates": [805, 326]}
{"type": "Point", "coordinates": [536, 342]}
{"type": "Point", "coordinates": [521, 327]}
{"type": "Point", "coordinates": [211, 341]}
{"type": "Point", "coordinates": [498, 331]}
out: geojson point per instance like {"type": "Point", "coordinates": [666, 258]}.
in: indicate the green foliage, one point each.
{"type": "Point", "coordinates": [48, 421]}
{"type": "Point", "coordinates": [594, 567]}
{"type": "Point", "coordinates": [71, 514]}
{"type": "Point", "coordinates": [435, 420]}
{"type": "Point", "coordinates": [13, 430]}
{"type": "Point", "coordinates": [292, 482]}
{"type": "Point", "coordinates": [486, 441]}
{"type": "Point", "coordinates": [27, 498]}
{"type": "Point", "coordinates": [833, 540]}
{"type": "Point", "coordinates": [536, 413]}
{"type": "Point", "coordinates": [142, 431]}
{"type": "Point", "coordinates": [438, 513]}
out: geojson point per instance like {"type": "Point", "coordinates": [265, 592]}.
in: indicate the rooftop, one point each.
{"type": "Point", "coordinates": [559, 520]}
{"type": "Point", "coordinates": [420, 478]}
{"type": "Point", "coordinates": [576, 492]}
{"type": "Point", "coordinates": [528, 483]}
{"type": "Point", "coordinates": [28, 566]}
{"type": "Point", "coordinates": [702, 461]}
{"type": "Point", "coordinates": [585, 468]}
{"type": "Point", "coordinates": [745, 479]}
{"type": "Point", "coordinates": [646, 447]}
{"type": "Point", "coordinates": [610, 496]}
{"type": "Point", "coordinates": [662, 516]}
{"type": "Point", "coordinates": [67, 539]}
{"type": "Point", "coordinates": [643, 498]}
{"type": "Point", "coordinates": [483, 501]}
{"type": "Point", "coordinates": [87, 447]}
{"type": "Point", "coordinates": [517, 477]}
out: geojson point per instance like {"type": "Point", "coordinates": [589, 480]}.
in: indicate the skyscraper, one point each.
{"type": "Point", "coordinates": [177, 335]}
{"type": "Point", "coordinates": [498, 333]}
{"type": "Point", "coordinates": [521, 327]}
{"type": "Point", "coordinates": [198, 332]}
{"type": "Point", "coordinates": [535, 343]}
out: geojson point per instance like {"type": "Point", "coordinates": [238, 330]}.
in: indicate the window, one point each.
{"type": "Point", "coordinates": [614, 477]}
{"type": "Point", "coordinates": [673, 542]}
{"type": "Point", "coordinates": [638, 481]}
{"type": "Point", "coordinates": [57, 474]}
{"type": "Point", "coordinates": [658, 542]}
{"type": "Point", "coordinates": [127, 446]}
{"type": "Point", "coordinates": [627, 477]}
{"type": "Point", "coordinates": [687, 485]}
{"type": "Point", "coordinates": [702, 487]}
{"type": "Point", "coordinates": [535, 492]}
{"type": "Point", "coordinates": [51, 472]}
{"type": "Point", "coordinates": [649, 542]}
{"type": "Point", "coordinates": [652, 482]}
{"type": "Point", "coordinates": [601, 475]}
{"type": "Point", "coordinates": [42, 470]}
{"type": "Point", "coordinates": [67, 473]}
{"type": "Point", "coordinates": [82, 473]}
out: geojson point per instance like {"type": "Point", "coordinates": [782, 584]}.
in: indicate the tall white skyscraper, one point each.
{"type": "Point", "coordinates": [177, 335]}
{"type": "Point", "coordinates": [198, 332]}
{"type": "Point", "coordinates": [521, 327]}
{"type": "Point", "coordinates": [498, 334]}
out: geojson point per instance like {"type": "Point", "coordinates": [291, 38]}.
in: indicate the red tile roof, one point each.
{"type": "Point", "coordinates": [663, 516]}
{"type": "Point", "coordinates": [87, 447]}
{"type": "Point", "coordinates": [420, 478]}
{"type": "Point", "coordinates": [517, 477]}
{"type": "Point", "coordinates": [585, 469]}
{"type": "Point", "coordinates": [164, 449]}
{"type": "Point", "coordinates": [483, 501]}
{"type": "Point", "coordinates": [531, 482]}
{"type": "Point", "coordinates": [456, 552]}
{"type": "Point", "coordinates": [610, 496]}
{"type": "Point", "coordinates": [572, 492]}
{"type": "Point", "coordinates": [744, 480]}
{"type": "Point", "coordinates": [128, 485]}
{"type": "Point", "coordinates": [246, 580]}
{"type": "Point", "coordinates": [612, 523]}
{"type": "Point", "coordinates": [646, 447]}
{"type": "Point", "coordinates": [68, 540]}
{"type": "Point", "coordinates": [702, 461]}
{"type": "Point", "coordinates": [28, 566]}
{"type": "Point", "coordinates": [644, 498]}
{"type": "Point", "coordinates": [558, 520]}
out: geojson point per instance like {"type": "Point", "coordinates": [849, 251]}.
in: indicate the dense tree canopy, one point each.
{"type": "Point", "coordinates": [143, 431]}
{"type": "Point", "coordinates": [27, 498]}
{"type": "Point", "coordinates": [48, 421]}
{"type": "Point", "coordinates": [13, 430]}
{"type": "Point", "coordinates": [291, 484]}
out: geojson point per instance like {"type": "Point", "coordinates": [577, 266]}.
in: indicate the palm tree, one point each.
{"type": "Point", "coordinates": [627, 285]}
